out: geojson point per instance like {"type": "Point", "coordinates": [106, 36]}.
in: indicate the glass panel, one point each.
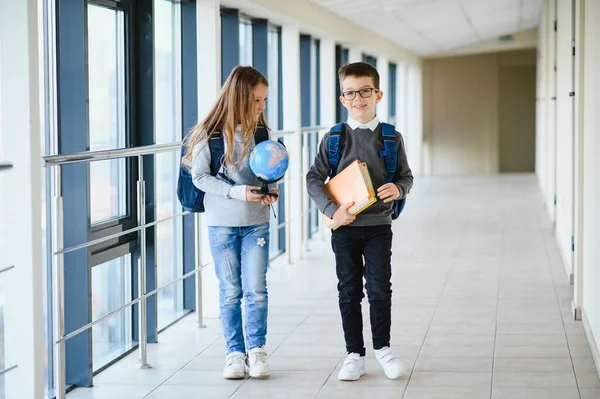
{"type": "Point", "coordinates": [111, 289]}
{"type": "Point", "coordinates": [272, 110]}
{"type": "Point", "coordinates": [245, 41]}
{"type": "Point", "coordinates": [168, 127]}
{"type": "Point", "coordinates": [3, 364]}
{"type": "Point", "coordinates": [106, 88]}
{"type": "Point", "coordinates": [272, 113]}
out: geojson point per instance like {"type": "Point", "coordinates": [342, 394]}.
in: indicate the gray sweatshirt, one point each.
{"type": "Point", "coordinates": [224, 205]}
{"type": "Point", "coordinates": [365, 145]}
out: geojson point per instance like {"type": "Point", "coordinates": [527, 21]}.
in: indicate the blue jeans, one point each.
{"type": "Point", "coordinates": [241, 257]}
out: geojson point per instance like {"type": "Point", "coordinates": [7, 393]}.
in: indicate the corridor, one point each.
{"type": "Point", "coordinates": [481, 309]}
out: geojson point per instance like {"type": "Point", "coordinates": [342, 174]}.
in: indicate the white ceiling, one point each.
{"type": "Point", "coordinates": [431, 26]}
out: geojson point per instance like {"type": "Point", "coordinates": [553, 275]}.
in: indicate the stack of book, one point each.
{"type": "Point", "coordinates": [353, 184]}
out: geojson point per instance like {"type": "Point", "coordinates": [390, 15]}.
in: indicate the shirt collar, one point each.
{"type": "Point", "coordinates": [371, 125]}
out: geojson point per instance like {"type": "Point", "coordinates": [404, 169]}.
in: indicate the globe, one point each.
{"type": "Point", "coordinates": [269, 161]}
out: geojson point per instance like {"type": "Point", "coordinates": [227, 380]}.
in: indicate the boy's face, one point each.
{"type": "Point", "coordinates": [360, 108]}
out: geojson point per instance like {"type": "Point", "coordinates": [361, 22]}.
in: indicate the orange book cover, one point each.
{"type": "Point", "coordinates": [353, 184]}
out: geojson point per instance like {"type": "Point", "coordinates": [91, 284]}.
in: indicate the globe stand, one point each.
{"type": "Point", "coordinates": [264, 189]}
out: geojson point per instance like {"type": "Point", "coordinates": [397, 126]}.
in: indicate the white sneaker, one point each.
{"type": "Point", "coordinates": [235, 366]}
{"type": "Point", "coordinates": [353, 368]}
{"type": "Point", "coordinates": [257, 358]}
{"type": "Point", "coordinates": [392, 366]}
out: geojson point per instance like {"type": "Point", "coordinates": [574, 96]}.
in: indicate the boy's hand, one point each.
{"type": "Point", "coordinates": [270, 199]}
{"type": "Point", "coordinates": [388, 192]}
{"type": "Point", "coordinates": [342, 217]}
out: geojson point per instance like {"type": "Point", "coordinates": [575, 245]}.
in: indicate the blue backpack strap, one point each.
{"type": "Point", "coordinates": [390, 150]}
{"type": "Point", "coordinates": [390, 155]}
{"type": "Point", "coordinates": [261, 134]}
{"type": "Point", "coordinates": [333, 147]}
{"type": "Point", "coordinates": [217, 149]}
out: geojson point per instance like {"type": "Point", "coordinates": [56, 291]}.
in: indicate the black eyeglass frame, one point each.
{"type": "Point", "coordinates": [363, 93]}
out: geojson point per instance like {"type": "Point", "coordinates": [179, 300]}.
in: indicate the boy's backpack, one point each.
{"type": "Point", "coordinates": [389, 153]}
{"type": "Point", "coordinates": [190, 196]}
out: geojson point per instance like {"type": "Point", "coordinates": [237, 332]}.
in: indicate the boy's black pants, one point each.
{"type": "Point", "coordinates": [350, 244]}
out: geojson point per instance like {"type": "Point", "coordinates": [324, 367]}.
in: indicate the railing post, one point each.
{"type": "Point", "coordinates": [198, 263]}
{"type": "Point", "coordinates": [288, 216]}
{"type": "Point", "coordinates": [143, 334]}
{"type": "Point", "coordinates": [58, 289]}
{"type": "Point", "coordinates": [304, 197]}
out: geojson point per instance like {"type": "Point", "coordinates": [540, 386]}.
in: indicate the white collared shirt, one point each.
{"type": "Point", "coordinates": [371, 125]}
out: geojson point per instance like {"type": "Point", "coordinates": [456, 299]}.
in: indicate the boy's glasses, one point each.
{"type": "Point", "coordinates": [364, 93]}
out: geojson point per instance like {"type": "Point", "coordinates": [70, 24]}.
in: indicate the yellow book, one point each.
{"type": "Point", "coordinates": [353, 184]}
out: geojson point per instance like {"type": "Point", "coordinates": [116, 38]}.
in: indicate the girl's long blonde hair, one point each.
{"type": "Point", "coordinates": [234, 106]}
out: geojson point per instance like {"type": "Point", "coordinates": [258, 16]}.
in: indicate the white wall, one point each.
{"type": "Point", "coordinates": [21, 287]}
{"type": "Point", "coordinates": [568, 164]}
{"type": "Point", "coordinates": [591, 175]}
{"type": "Point", "coordinates": [564, 134]}
{"type": "Point", "coordinates": [318, 21]}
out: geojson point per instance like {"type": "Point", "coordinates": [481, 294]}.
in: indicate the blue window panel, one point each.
{"type": "Point", "coordinates": [392, 90]}
{"type": "Point", "coordinates": [260, 45]}
{"type": "Point", "coordinates": [341, 59]}
{"type": "Point", "coordinates": [305, 81]}
{"type": "Point", "coordinates": [230, 41]}
{"type": "Point", "coordinates": [72, 122]}
{"type": "Point", "coordinates": [189, 119]}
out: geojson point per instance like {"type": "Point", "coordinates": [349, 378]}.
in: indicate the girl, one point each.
{"type": "Point", "coordinates": [237, 219]}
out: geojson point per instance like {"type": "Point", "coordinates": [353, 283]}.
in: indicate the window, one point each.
{"type": "Point", "coordinates": [245, 40]}
{"type": "Point", "coordinates": [369, 59]}
{"type": "Point", "coordinates": [272, 110]}
{"type": "Point", "coordinates": [341, 59]}
{"type": "Point", "coordinates": [392, 95]}
{"type": "Point", "coordinates": [107, 119]}
{"type": "Point", "coordinates": [168, 128]}
{"type": "Point", "coordinates": [111, 289]}
{"type": "Point", "coordinates": [315, 119]}
{"type": "Point", "coordinates": [275, 121]}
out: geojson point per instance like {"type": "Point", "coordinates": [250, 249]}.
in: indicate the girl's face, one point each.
{"type": "Point", "coordinates": [260, 99]}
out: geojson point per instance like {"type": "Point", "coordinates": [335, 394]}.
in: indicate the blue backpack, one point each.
{"type": "Point", "coordinates": [190, 196]}
{"type": "Point", "coordinates": [390, 149]}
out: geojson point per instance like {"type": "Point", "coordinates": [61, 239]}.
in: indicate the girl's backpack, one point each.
{"type": "Point", "coordinates": [191, 197]}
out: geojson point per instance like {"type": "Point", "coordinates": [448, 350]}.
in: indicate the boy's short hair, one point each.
{"type": "Point", "coordinates": [359, 70]}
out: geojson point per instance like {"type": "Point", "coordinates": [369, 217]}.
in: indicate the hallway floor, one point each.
{"type": "Point", "coordinates": [481, 309]}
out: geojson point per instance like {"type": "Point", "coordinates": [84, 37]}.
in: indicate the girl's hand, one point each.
{"type": "Point", "coordinates": [270, 199]}
{"type": "Point", "coordinates": [251, 197]}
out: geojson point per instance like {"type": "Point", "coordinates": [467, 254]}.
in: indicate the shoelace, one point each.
{"type": "Point", "coordinates": [235, 359]}
{"type": "Point", "coordinates": [259, 357]}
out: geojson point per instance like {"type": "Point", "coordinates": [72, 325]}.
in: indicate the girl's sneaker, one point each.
{"type": "Point", "coordinates": [235, 366]}
{"type": "Point", "coordinates": [353, 367]}
{"type": "Point", "coordinates": [392, 366]}
{"type": "Point", "coordinates": [257, 360]}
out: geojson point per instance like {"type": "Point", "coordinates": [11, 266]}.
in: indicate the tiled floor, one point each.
{"type": "Point", "coordinates": [481, 309]}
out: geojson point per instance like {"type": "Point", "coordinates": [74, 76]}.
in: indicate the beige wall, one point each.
{"type": "Point", "coordinates": [516, 129]}
{"type": "Point", "coordinates": [473, 122]}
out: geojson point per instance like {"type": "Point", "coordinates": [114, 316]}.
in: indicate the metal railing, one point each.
{"type": "Point", "coordinates": [58, 250]}
{"type": "Point", "coordinates": [5, 166]}
{"type": "Point", "coordinates": [286, 180]}
{"type": "Point", "coordinates": [306, 162]}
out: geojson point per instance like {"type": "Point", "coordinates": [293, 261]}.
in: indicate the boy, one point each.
{"type": "Point", "coordinates": [368, 234]}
